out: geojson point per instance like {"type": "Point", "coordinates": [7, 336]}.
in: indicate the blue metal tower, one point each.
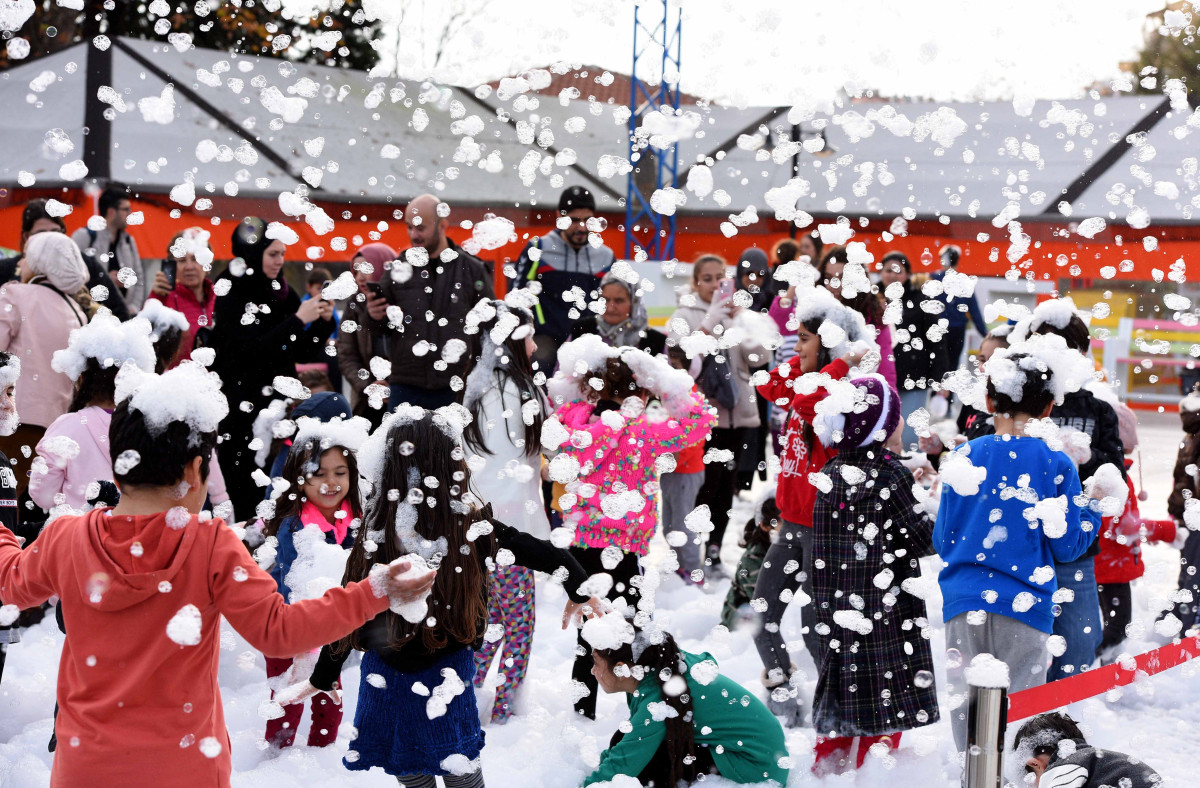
{"type": "Point", "coordinates": [652, 89]}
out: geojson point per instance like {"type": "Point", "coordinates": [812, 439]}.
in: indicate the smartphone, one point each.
{"type": "Point", "coordinates": [375, 289]}
{"type": "Point", "coordinates": [725, 288]}
{"type": "Point", "coordinates": [169, 266]}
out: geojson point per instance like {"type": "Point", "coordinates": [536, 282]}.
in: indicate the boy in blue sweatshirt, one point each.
{"type": "Point", "coordinates": [1000, 536]}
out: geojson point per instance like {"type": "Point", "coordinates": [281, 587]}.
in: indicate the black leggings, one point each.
{"type": "Point", "coordinates": [657, 773]}
{"type": "Point", "coordinates": [622, 575]}
{"type": "Point", "coordinates": [721, 482]}
{"type": "Point", "coordinates": [1116, 608]}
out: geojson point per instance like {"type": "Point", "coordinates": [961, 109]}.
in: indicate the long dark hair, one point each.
{"type": "Point", "coordinates": [511, 362]}
{"type": "Point", "coordinates": [166, 346]}
{"type": "Point", "coordinates": [303, 460]}
{"type": "Point", "coordinates": [459, 600]}
{"type": "Point", "coordinates": [866, 304]}
{"type": "Point", "coordinates": [619, 382]}
{"type": "Point", "coordinates": [824, 358]}
{"type": "Point", "coordinates": [664, 661]}
{"type": "Point", "coordinates": [95, 384]}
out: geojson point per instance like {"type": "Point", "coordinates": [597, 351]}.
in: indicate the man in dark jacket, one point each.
{"type": "Point", "coordinates": [563, 260]}
{"type": "Point", "coordinates": [1054, 750]}
{"type": "Point", "coordinates": [958, 310]}
{"type": "Point", "coordinates": [426, 297]}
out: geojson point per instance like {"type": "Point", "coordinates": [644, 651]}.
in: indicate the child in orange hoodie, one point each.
{"type": "Point", "coordinates": [144, 586]}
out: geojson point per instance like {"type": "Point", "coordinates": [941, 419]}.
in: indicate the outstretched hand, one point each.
{"type": "Point", "coordinates": [408, 589]}
{"type": "Point", "coordinates": [577, 612]}
{"type": "Point", "coordinates": [302, 691]}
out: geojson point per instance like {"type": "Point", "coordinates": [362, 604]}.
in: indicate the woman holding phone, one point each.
{"type": "Point", "coordinates": [708, 306]}
{"type": "Point", "coordinates": [183, 286]}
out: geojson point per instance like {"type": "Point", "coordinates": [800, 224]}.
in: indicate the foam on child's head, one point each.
{"type": "Point", "coordinates": [348, 433]}
{"type": "Point", "coordinates": [1040, 357]}
{"type": "Point", "coordinates": [110, 342]}
{"type": "Point", "coordinates": [10, 370]}
{"type": "Point", "coordinates": [842, 329]}
{"type": "Point", "coordinates": [161, 318]}
{"type": "Point", "coordinates": [189, 394]}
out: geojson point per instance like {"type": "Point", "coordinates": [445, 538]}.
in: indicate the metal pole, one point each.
{"type": "Point", "coordinates": [987, 713]}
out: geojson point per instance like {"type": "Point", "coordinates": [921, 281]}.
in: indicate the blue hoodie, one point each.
{"type": "Point", "coordinates": [995, 558]}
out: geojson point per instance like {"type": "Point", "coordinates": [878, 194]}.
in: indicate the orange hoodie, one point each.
{"type": "Point", "coordinates": [135, 706]}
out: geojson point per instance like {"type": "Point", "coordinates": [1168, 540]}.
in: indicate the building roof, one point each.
{"type": "Point", "coordinates": [343, 136]}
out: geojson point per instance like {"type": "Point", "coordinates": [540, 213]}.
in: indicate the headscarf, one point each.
{"type": "Point", "coordinates": [378, 255]}
{"type": "Point", "coordinates": [56, 257]}
{"type": "Point", "coordinates": [630, 330]}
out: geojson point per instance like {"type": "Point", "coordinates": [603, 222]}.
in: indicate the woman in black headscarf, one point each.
{"type": "Point", "coordinates": [261, 328]}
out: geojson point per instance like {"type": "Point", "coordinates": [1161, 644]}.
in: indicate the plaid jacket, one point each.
{"type": "Point", "coordinates": [867, 538]}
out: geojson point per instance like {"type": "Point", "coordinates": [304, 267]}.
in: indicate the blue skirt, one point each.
{"type": "Point", "coordinates": [394, 729]}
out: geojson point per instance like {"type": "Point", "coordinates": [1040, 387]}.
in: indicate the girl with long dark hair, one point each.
{"type": "Point", "coordinates": [798, 386]}
{"type": "Point", "coordinates": [848, 282]}
{"type": "Point", "coordinates": [416, 703]}
{"type": "Point", "coordinates": [685, 718]}
{"type": "Point", "coordinates": [504, 439]}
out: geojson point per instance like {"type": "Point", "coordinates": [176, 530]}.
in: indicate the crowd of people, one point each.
{"type": "Point", "coordinates": [190, 448]}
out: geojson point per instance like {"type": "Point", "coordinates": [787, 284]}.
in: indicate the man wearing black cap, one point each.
{"type": "Point", "coordinates": [563, 259]}
{"type": "Point", "coordinates": [957, 309]}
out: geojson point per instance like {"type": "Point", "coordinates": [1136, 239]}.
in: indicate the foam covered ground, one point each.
{"type": "Point", "coordinates": [546, 745]}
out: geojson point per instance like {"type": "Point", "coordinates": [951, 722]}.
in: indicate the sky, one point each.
{"type": "Point", "coordinates": [776, 52]}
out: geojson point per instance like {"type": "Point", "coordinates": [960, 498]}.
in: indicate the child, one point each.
{"type": "Point", "coordinates": [610, 442]}
{"type": "Point", "coordinates": [756, 538]}
{"type": "Point", "coordinates": [1184, 488]}
{"type": "Point", "coordinates": [74, 452]}
{"type": "Point", "coordinates": [10, 370]}
{"type": "Point", "coordinates": [504, 440]}
{"type": "Point", "coordinates": [1088, 409]}
{"type": "Point", "coordinates": [1120, 560]}
{"type": "Point", "coordinates": [1052, 749]}
{"type": "Point", "coordinates": [685, 719]}
{"type": "Point", "coordinates": [168, 328]}
{"type": "Point", "coordinates": [999, 549]}
{"type": "Point", "coordinates": [787, 567]}
{"type": "Point", "coordinates": [323, 494]}
{"type": "Point", "coordinates": [416, 715]}
{"type": "Point", "coordinates": [875, 665]}
{"type": "Point", "coordinates": [145, 585]}
{"type": "Point", "coordinates": [679, 487]}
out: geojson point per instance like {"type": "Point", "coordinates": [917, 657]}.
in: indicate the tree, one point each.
{"type": "Point", "coordinates": [335, 32]}
{"type": "Point", "coordinates": [1171, 49]}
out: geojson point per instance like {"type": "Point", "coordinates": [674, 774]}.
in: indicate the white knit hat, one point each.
{"type": "Point", "coordinates": [56, 257]}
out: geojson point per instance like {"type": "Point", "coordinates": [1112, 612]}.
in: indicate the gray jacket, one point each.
{"type": "Point", "coordinates": [749, 353]}
{"type": "Point", "coordinates": [100, 245]}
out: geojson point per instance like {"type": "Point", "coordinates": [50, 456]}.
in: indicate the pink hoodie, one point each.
{"type": "Point", "coordinates": [58, 471]}
{"type": "Point", "coordinates": [88, 428]}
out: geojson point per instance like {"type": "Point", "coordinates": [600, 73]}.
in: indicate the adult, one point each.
{"type": "Point", "coordinates": [958, 310]}
{"type": "Point", "coordinates": [569, 256]}
{"type": "Point", "coordinates": [919, 353]}
{"type": "Point", "coordinates": [36, 219]}
{"type": "Point", "coordinates": [702, 309]}
{"type": "Point", "coordinates": [259, 333]}
{"type": "Point", "coordinates": [193, 293]}
{"type": "Point", "coordinates": [36, 318]}
{"type": "Point", "coordinates": [115, 248]}
{"type": "Point", "coordinates": [849, 284]}
{"type": "Point", "coordinates": [753, 275]}
{"type": "Point", "coordinates": [434, 284]}
{"type": "Point", "coordinates": [624, 322]}
{"type": "Point", "coordinates": [356, 348]}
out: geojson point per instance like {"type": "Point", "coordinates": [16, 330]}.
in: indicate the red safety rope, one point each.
{"type": "Point", "coordinates": [1097, 681]}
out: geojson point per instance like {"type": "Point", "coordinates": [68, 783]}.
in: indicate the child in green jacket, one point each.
{"type": "Point", "coordinates": [687, 719]}
{"type": "Point", "coordinates": [756, 538]}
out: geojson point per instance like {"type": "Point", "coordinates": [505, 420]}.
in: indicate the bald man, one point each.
{"type": "Point", "coordinates": [434, 283]}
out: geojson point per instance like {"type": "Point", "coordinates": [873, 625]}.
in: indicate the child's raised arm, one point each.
{"type": "Point", "coordinates": [248, 598]}
{"type": "Point", "coordinates": [25, 579]}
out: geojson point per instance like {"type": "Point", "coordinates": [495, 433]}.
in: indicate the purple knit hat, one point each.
{"type": "Point", "coordinates": [872, 419]}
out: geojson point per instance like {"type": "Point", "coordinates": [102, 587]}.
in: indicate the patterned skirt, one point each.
{"type": "Point", "coordinates": [396, 731]}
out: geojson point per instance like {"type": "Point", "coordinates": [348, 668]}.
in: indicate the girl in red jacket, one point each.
{"type": "Point", "coordinates": [831, 338]}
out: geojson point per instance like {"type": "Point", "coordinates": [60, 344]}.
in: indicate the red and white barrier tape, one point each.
{"type": "Point", "coordinates": [1097, 681]}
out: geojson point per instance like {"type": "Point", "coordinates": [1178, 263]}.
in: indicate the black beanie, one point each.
{"type": "Point", "coordinates": [576, 197]}
{"type": "Point", "coordinates": [250, 241]}
{"type": "Point", "coordinates": [753, 259]}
